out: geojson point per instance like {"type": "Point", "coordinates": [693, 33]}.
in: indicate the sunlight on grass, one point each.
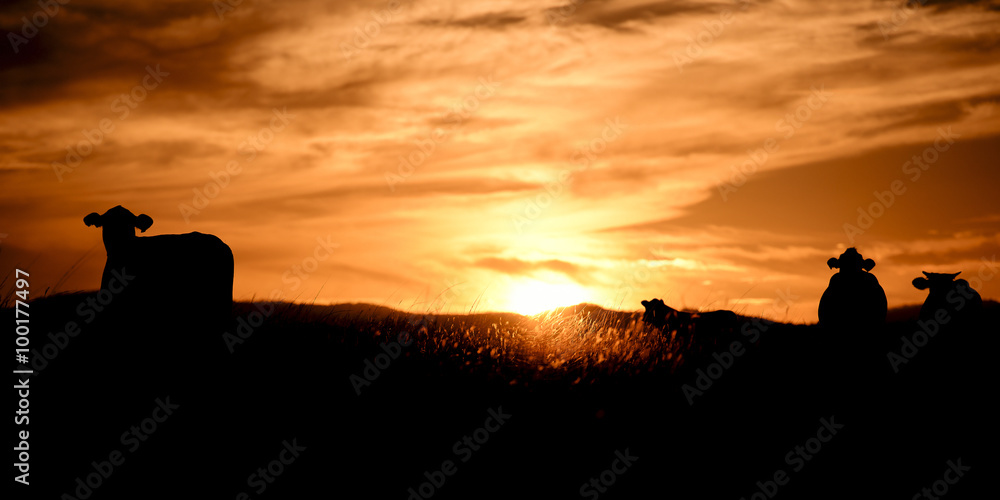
{"type": "Point", "coordinates": [575, 344]}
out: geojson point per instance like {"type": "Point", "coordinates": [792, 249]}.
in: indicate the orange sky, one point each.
{"type": "Point", "coordinates": [552, 153]}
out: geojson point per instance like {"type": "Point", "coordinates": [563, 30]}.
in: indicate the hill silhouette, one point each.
{"type": "Point", "coordinates": [377, 408]}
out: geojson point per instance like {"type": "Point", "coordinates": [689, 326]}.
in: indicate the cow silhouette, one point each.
{"type": "Point", "coordinates": [948, 297]}
{"type": "Point", "coordinates": [177, 282]}
{"type": "Point", "coordinates": [854, 296]}
{"type": "Point", "coordinates": [712, 324]}
{"type": "Point", "coordinates": [164, 304]}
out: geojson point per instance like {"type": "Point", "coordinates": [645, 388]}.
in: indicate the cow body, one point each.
{"type": "Point", "coordinates": [854, 297]}
{"type": "Point", "coordinates": [182, 269]}
{"type": "Point", "coordinates": [660, 315]}
{"type": "Point", "coordinates": [955, 297]}
{"type": "Point", "coordinates": [165, 302]}
{"type": "Point", "coordinates": [170, 289]}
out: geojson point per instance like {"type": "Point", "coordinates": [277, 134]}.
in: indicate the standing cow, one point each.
{"type": "Point", "coordinates": [176, 286]}
{"type": "Point", "coordinates": [192, 271]}
{"type": "Point", "coordinates": [166, 301]}
{"type": "Point", "coordinates": [854, 296]}
{"type": "Point", "coordinates": [954, 297]}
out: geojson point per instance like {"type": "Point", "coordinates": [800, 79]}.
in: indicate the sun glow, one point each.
{"type": "Point", "coordinates": [532, 297]}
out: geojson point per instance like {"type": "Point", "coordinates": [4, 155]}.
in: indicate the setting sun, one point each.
{"type": "Point", "coordinates": [533, 296]}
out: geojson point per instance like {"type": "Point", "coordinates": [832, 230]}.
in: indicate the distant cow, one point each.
{"type": "Point", "coordinates": [955, 297]}
{"type": "Point", "coordinates": [854, 296]}
{"type": "Point", "coordinates": [711, 323]}
{"type": "Point", "coordinates": [166, 280]}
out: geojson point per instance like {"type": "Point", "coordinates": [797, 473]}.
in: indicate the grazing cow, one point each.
{"type": "Point", "coordinates": [854, 296]}
{"type": "Point", "coordinates": [660, 315]}
{"type": "Point", "coordinates": [166, 281]}
{"type": "Point", "coordinates": [954, 297]}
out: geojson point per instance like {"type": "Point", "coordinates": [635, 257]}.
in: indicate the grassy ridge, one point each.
{"type": "Point", "coordinates": [580, 383]}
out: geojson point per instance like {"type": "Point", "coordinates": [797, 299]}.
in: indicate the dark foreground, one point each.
{"type": "Point", "coordinates": [499, 406]}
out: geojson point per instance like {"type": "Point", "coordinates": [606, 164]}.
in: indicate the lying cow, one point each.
{"type": "Point", "coordinates": [712, 323]}
{"type": "Point", "coordinates": [854, 297]}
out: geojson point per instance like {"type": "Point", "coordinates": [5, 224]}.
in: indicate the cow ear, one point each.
{"type": "Point", "coordinates": [833, 263]}
{"type": "Point", "coordinates": [921, 283]}
{"type": "Point", "coordinates": [94, 219]}
{"type": "Point", "coordinates": [868, 265]}
{"type": "Point", "coordinates": [143, 222]}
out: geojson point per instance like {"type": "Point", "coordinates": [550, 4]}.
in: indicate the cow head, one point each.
{"type": "Point", "coordinates": [937, 281]}
{"type": "Point", "coordinates": [851, 261]}
{"type": "Point", "coordinates": [118, 225]}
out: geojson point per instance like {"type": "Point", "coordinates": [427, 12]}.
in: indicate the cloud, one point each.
{"type": "Point", "coordinates": [89, 48]}
{"type": "Point", "coordinates": [616, 14]}
{"type": "Point", "coordinates": [514, 266]}
{"type": "Point", "coordinates": [926, 113]}
{"type": "Point", "coordinates": [844, 185]}
{"type": "Point", "coordinates": [489, 20]}
{"type": "Point", "coordinates": [948, 256]}
{"type": "Point", "coordinates": [945, 5]}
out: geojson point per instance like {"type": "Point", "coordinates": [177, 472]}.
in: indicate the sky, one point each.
{"type": "Point", "coordinates": [510, 155]}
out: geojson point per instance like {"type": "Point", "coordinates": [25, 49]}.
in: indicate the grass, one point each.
{"type": "Point", "coordinates": [580, 381]}
{"type": "Point", "coordinates": [574, 344]}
